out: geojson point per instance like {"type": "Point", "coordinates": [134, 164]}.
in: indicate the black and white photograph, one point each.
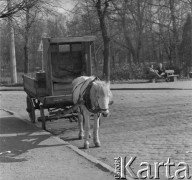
{"type": "Point", "coordinates": [95, 89]}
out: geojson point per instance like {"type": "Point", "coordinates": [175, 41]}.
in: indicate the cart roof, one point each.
{"type": "Point", "coordinates": [73, 39]}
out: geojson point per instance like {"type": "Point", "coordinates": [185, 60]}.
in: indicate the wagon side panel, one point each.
{"type": "Point", "coordinates": [47, 65]}
{"type": "Point", "coordinates": [33, 87]}
{"type": "Point", "coordinates": [29, 85]}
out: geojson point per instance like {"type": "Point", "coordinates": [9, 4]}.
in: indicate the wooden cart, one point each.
{"type": "Point", "coordinates": [64, 59]}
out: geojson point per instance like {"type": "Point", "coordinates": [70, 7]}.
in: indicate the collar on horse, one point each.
{"type": "Point", "coordinates": [87, 99]}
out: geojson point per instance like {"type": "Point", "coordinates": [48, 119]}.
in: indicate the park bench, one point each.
{"type": "Point", "coordinates": [170, 76]}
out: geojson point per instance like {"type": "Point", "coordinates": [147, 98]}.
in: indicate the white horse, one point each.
{"type": "Point", "coordinates": [96, 97]}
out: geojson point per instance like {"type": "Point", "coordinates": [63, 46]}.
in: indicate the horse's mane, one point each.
{"type": "Point", "coordinates": [102, 88]}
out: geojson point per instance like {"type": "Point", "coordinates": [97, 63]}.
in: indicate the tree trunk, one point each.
{"type": "Point", "coordinates": [12, 49]}
{"type": "Point", "coordinates": [26, 68]}
{"type": "Point", "coordinates": [113, 60]}
{"type": "Point", "coordinates": [131, 73]}
{"type": "Point", "coordinates": [139, 45]}
{"type": "Point", "coordinates": [139, 15]}
{"type": "Point", "coordinates": [190, 62]}
{"type": "Point", "coordinates": [128, 42]}
{"type": "Point", "coordinates": [175, 34]}
{"type": "Point", "coordinates": [106, 67]}
{"type": "Point", "coordinates": [106, 40]}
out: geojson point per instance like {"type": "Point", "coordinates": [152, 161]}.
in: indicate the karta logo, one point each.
{"type": "Point", "coordinates": [123, 169]}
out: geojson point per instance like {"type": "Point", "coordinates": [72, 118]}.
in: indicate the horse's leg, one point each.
{"type": "Point", "coordinates": [89, 126]}
{"type": "Point", "coordinates": [80, 121]}
{"type": "Point", "coordinates": [96, 130]}
{"type": "Point", "coordinates": [86, 117]}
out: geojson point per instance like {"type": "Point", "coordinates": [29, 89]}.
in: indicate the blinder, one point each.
{"type": "Point", "coordinates": [87, 100]}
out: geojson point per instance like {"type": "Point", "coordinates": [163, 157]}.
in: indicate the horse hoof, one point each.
{"type": "Point", "coordinates": [97, 144]}
{"type": "Point", "coordinates": [86, 146]}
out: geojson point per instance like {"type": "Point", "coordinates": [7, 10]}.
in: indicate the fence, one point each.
{"type": "Point", "coordinates": [5, 74]}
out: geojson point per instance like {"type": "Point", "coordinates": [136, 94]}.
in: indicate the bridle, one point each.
{"type": "Point", "coordinates": [94, 109]}
{"type": "Point", "coordinates": [86, 97]}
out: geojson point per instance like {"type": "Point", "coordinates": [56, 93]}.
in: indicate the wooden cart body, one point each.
{"type": "Point", "coordinates": [64, 59]}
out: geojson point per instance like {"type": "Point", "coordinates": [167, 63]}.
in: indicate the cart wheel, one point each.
{"type": "Point", "coordinates": [30, 109]}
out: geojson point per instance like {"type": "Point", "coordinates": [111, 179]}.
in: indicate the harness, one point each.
{"type": "Point", "coordinates": [86, 97]}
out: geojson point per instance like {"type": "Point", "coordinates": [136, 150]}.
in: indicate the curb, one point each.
{"type": "Point", "coordinates": [121, 89]}
{"type": "Point", "coordinates": [11, 89]}
{"type": "Point", "coordinates": [113, 89]}
{"type": "Point", "coordinates": [90, 158]}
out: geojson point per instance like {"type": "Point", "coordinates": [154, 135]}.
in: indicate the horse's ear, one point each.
{"type": "Point", "coordinates": [94, 83]}
{"type": "Point", "coordinates": [108, 84]}
{"type": "Point", "coordinates": [94, 90]}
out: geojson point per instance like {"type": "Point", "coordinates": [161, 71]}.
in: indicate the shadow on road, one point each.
{"type": "Point", "coordinates": [18, 137]}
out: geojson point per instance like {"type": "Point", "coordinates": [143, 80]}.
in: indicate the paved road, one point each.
{"type": "Point", "coordinates": [29, 153]}
{"type": "Point", "coordinates": [152, 86]}
{"type": "Point", "coordinates": [149, 125]}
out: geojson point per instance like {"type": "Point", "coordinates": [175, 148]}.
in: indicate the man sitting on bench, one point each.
{"type": "Point", "coordinates": [161, 71]}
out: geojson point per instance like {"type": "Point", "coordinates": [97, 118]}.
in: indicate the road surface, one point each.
{"type": "Point", "coordinates": [149, 125]}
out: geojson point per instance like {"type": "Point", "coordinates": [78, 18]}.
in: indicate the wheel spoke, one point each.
{"type": "Point", "coordinates": [31, 109]}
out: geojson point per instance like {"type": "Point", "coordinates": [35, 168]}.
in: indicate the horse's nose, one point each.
{"type": "Point", "coordinates": [105, 113]}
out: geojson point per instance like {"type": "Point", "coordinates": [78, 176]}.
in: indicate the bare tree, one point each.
{"type": "Point", "coordinates": [31, 13]}
{"type": "Point", "coordinates": [190, 62]}
{"type": "Point", "coordinates": [175, 43]}
{"type": "Point", "coordinates": [102, 9]}
{"type": "Point", "coordinates": [17, 5]}
{"type": "Point", "coordinates": [98, 10]}
{"type": "Point", "coordinates": [132, 17]}
{"type": "Point", "coordinates": [12, 48]}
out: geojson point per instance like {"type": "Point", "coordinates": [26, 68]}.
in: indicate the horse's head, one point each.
{"type": "Point", "coordinates": [101, 97]}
